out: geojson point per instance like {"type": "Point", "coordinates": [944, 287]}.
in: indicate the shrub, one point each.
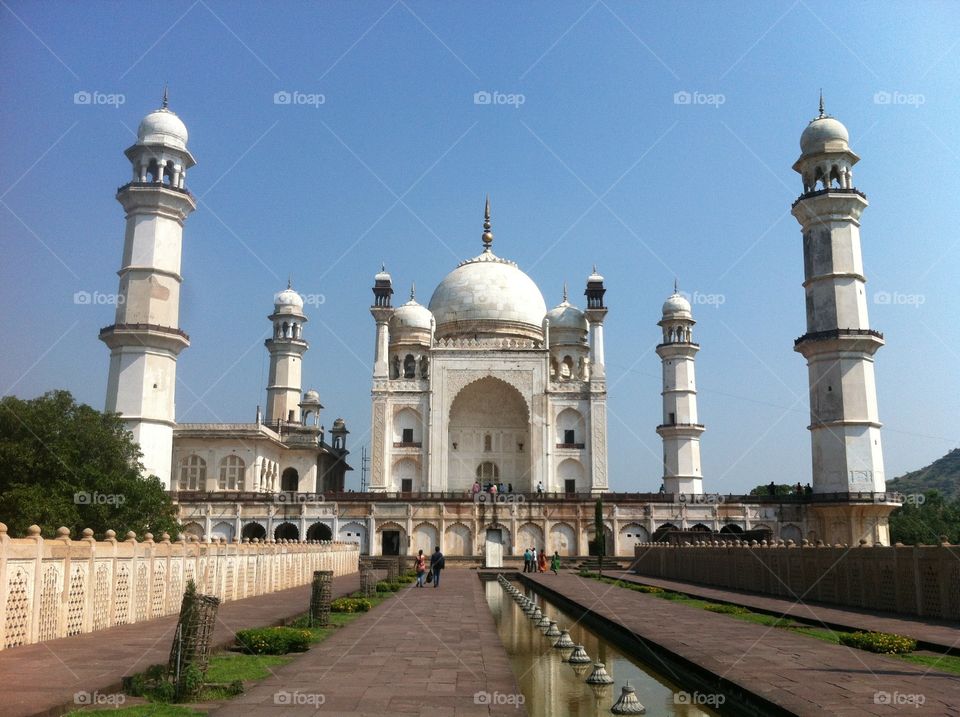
{"type": "Point", "coordinates": [647, 589]}
{"type": "Point", "coordinates": [671, 596]}
{"type": "Point", "coordinates": [727, 609]}
{"type": "Point", "coordinates": [394, 586]}
{"type": "Point", "coordinates": [383, 586]}
{"type": "Point", "coordinates": [349, 604]}
{"type": "Point", "coordinates": [584, 573]}
{"type": "Point", "coordinates": [883, 642]}
{"type": "Point", "coordinates": [274, 640]}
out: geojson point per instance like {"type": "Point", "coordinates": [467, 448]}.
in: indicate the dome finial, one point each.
{"type": "Point", "coordinates": [487, 234]}
{"type": "Point", "coordinates": [413, 291]}
{"type": "Point", "coordinates": [822, 115]}
{"type": "Point", "coordinates": [564, 292]}
{"type": "Point", "coordinates": [163, 105]}
{"type": "Point", "coordinates": [289, 281]}
{"type": "Point", "coordinates": [675, 286]}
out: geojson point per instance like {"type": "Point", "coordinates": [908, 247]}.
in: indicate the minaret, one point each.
{"type": "Point", "coordinates": [681, 427]}
{"type": "Point", "coordinates": [381, 312]}
{"type": "Point", "coordinates": [839, 344]}
{"type": "Point", "coordinates": [145, 338]}
{"type": "Point", "coordinates": [286, 349]}
{"type": "Point", "coordinates": [596, 312]}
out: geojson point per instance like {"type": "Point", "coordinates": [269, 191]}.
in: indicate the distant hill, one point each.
{"type": "Point", "coordinates": [943, 474]}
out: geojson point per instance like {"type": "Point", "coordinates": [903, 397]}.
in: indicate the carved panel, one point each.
{"type": "Point", "coordinates": [379, 420]}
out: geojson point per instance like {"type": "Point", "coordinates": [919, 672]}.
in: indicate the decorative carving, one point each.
{"type": "Point", "coordinates": [598, 422]}
{"type": "Point", "coordinates": [379, 419]}
{"type": "Point", "coordinates": [456, 380]}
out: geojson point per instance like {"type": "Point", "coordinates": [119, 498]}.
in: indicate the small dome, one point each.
{"type": "Point", "coordinates": [594, 276]}
{"type": "Point", "coordinates": [311, 396]}
{"type": "Point", "coordinates": [411, 316]}
{"type": "Point", "coordinates": [821, 132]}
{"type": "Point", "coordinates": [162, 127]}
{"type": "Point", "coordinates": [382, 275]}
{"type": "Point", "coordinates": [288, 300]}
{"type": "Point", "coordinates": [567, 316]}
{"type": "Point", "coordinates": [676, 305]}
{"type": "Point", "coordinates": [339, 425]}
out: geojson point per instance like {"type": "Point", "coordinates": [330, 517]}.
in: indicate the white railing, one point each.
{"type": "Point", "coordinates": [51, 588]}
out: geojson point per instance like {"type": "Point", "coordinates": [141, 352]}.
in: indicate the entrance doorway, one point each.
{"type": "Point", "coordinates": [406, 485]}
{"type": "Point", "coordinates": [494, 548]}
{"type": "Point", "coordinates": [570, 485]}
{"type": "Point", "coordinates": [390, 542]}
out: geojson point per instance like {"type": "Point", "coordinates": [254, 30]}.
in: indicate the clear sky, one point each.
{"type": "Point", "coordinates": [587, 150]}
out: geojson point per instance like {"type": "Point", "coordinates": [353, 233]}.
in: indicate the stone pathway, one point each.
{"type": "Point", "coordinates": [423, 652]}
{"type": "Point", "coordinates": [934, 633]}
{"type": "Point", "coordinates": [42, 679]}
{"type": "Point", "coordinates": [802, 675]}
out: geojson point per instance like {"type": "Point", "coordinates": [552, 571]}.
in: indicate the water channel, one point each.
{"type": "Point", "coordinates": [552, 687]}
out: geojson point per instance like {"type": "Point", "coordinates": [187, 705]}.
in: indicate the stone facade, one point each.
{"type": "Point", "coordinates": [62, 587]}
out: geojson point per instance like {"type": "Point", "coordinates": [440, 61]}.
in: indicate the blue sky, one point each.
{"type": "Point", "coordinates": [588, 159]}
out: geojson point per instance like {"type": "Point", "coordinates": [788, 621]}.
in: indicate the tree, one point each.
{"type": "Point", "coordinates": [780, 489]}
{"type": "Point", "coordinates": [67, 464]}
{"type": "Point", "coordinates": [923, 518]}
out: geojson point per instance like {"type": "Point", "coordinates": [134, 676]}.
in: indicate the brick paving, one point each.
{"type": "Point", "coordinates": [934, 633]}
{"type": "Point", "coordinates": [802, 675]}
{"type": "Point", "coordinates": [42, 679]}
{"type": "Point", "coordinates": [423, 652]}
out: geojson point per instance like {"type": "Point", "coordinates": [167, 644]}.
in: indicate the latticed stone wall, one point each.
{"type": "Point", "coordinates": [920, 580]}
{"type": "Point", "coordinates": [62, 587]}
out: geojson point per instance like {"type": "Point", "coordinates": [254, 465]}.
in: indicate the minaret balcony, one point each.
{"type": "Point", "coordinates": [680, 429]}
{"type": "Point", "coordinates": [824, 192]}
{"type": "Point", "coordinates": [152, 335]}
{"type": "Point", "coordinates": [854, 340]}
{"type": "Point", "coordinates": [153, 185]}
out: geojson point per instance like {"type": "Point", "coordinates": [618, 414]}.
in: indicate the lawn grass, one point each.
{"type": "Point", "coordinates": [151, 710]}
{"type": "Point", "coordinates": [944, 663]}
{"type": "Point", "coordinates": [232, 666]}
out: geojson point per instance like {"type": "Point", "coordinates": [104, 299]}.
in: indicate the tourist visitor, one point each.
{"type": "Point", "coordinates": [772, 488]}
{"type": "Point", "coordinates": [543, 561]}
{"type": "Point", "coordinates": [493, 489]}
{"type": "Point", "coordinates": [533, 559]}
{"type": "Point", "coordinates": [527, 558]}
{"type": "Point", "coordinates": [436, 565]}
{"type": "Point", "coordinates": [421, 568]}
{"type": "Point", "coordinates": [476, 487]}
{"type": "Point", "coordinates": [500, 487]}
{"type": "Point", "coordinates": [509, 487]}
{"type": "Point", "coordinates": [555, 563]}
{"type": "Point", "coordinates": [540, 487]}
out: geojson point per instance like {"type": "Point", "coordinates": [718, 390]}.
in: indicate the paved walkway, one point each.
{"type": "Point", "coordinates": [42, 679]}
{"type": "Point", "coordinates": [932, 634]}
{"type": "Point", "coordinates": [423, 652]}
{"type": "Point", "coordinates": [802, 675]}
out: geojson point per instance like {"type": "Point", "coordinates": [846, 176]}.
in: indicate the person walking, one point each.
{"type": "Point", "coordinates": [527, 557]}
{"type": "Point", "coordinates": [421, 568]}
{"type": "Point", "coordinates": [476, 487]}
{"type": "Point", "coordinates": [436, 565]}
{"type": "Point", "coordinates": [540, 487]}
{"type": "Point", "coordinates": [533, 559]}
{"type": "Point", "coordinates": [542, 566]}
{"type": "Point", "coordinates": [555, 563]}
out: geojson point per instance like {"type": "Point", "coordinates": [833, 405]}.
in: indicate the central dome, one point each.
{"type": "Point", "coordinates": [488, 296]}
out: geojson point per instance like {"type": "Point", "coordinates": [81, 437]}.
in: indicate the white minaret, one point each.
{"type": "Point", "coordinates": [145, 338]}
{"type": "Point", "coordinates": [381, 312]}
{"type": "Point", "coordinates": [681, 427]}
{"type": "Point", "coordinates": [286, 349]}
{"type": "Point", "coordinates": [839, 344]}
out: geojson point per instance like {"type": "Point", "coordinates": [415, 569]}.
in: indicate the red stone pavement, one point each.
{"type": "Point", "coordinates": [803, 675]}
{"type": "Point", "coordinates": [42, 679]}
{"type": "Point", "coordinates": [937, 633]}
{"type": "Point", "coordinates": [424, 652]}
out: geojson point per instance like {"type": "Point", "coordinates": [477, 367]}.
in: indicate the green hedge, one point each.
{"type": "Point", "coordinates": [349, 604]}
{"type": "Point", "coordinates": [727, 609]}
{"type": "Point", "coordinates": [274, 640]}
{"type": "Point", "coordinates": [883, 642]}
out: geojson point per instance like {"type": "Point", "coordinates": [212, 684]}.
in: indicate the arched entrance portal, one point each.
{"type": "Point", "coordinates": [254, 531]}
{"type": "Point", "coordinates": [489, 426]}
{"type": "Point", "coordinates": [286, 531]}
{"type": "Point", "coordinates": [319, 531]}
